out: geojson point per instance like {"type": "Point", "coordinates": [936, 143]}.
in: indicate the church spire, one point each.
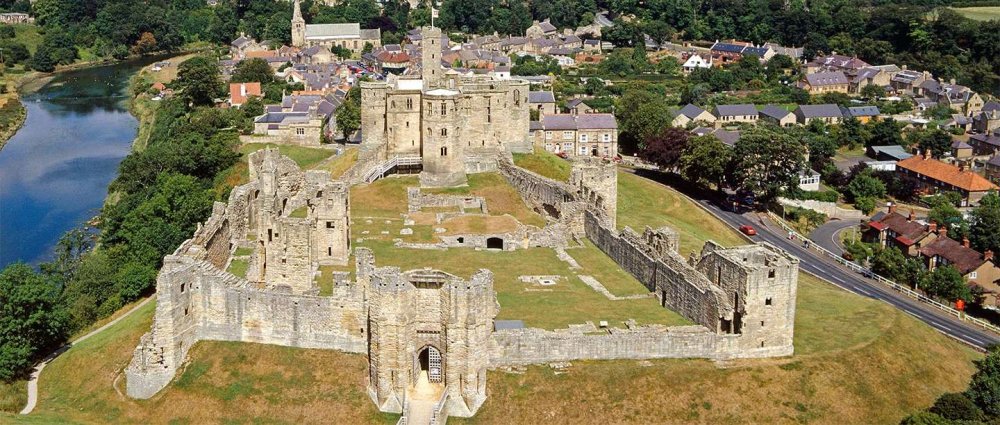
{"type": "Point", "coordinates": [297, 14]}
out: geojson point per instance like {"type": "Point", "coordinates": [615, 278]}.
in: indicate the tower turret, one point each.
{"type": "Point", "coordinates": [298, 27]}
{"type": "Point", "coordinates": [430, 57]}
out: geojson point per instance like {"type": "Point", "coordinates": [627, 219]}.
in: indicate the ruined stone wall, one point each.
{"type": "Point", "coordinates": [536, 346]}
{"type": "Point", "coordinates": [417, 200]}
{"type": "Point", "coordinates": [196, 301]}
{"type": "Point", "coordinates": [679, 286]}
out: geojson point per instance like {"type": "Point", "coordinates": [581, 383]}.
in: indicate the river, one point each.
{"type": "Point", "coordinates": [54, 173]}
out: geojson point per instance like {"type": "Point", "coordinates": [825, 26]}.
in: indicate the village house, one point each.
{"type": "Point", "coordinates": [732, 51]}
{"type": "Point", "coordinates": [959, 98]}
{"type": "Point", "coordinates": [578, 135]}
{"type": "Point", "coordinates": [827, 113]}
{"type": "Point", "coordinates": [961, 150]}
{"type": "Point", "coordinates": [242, 45]}
{"type": "Point", "coordinates": [777, 115]}
{"type": "Point", "coordinates": [541, 29]}
{"type": "Point", "coordinates": [299, 119]}
{"type": "Point", "coordinates": [907, 82]}
{"type": "Point", "coordinates": [727, 137]}
{"type": "Point", "coordinates": [732, 114]}
{"type": "Point", "coordinates": [905, 232]}
{"type": "Point", "coordinates": [691, 113]}
{"type": "Point", "coordinates": [985, 144]}
{"type": "Point", "coordinates": [893, 153]}
{"type": "Point", "coordinates": [579, 106]}
{"type": "Point", "coordinates": [695, 61]}
{"type": "Point", "coordinates": [930, 176]}
{"type": "Point", "coordinates": [239, 93]}
{"type": "Point", "coordinates": [879, 76]}
{"type": "Point", "coordinates": [988, 119]}
{"type": "Point", "coordinates": [864, 114]}
{"type": "Point", "coordinates": [977, 268]}
{"type": "Point", "coordinates": [991, 169]}
{"type": "Point", "coordinates": [835, 62]}
{"type": "Point", "coordinates": [542, 101]}
{"type": "Point", "coordinates": [825, 82]}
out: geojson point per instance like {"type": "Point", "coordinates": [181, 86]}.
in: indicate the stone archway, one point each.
{"type": "Point", "coordinates": [494, 243]}
{"type": "Point", "coordinates": [430, 361]}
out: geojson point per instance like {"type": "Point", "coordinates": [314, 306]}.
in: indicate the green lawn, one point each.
{"type": "Point", "coordinates": [644, 203]}
{"type": "Point", "coordinates": [29, 35]}
{"type": "Point", "coordinates": [13, 396]}
{"type": "Point", "coordinates": [501, 197]}
{"type": "Point", "coordinates": [305, 157]}
{"type": "Point", "coordinates": [570, 301]}
{"type": "Point", "coordinates": [238, 267]}
{"type": "Point", "coordinates": [979, 13]}
{"type": "Point", "coordinates": [338, 166]}
{"type": "Point", "coordinates": [605, 270]}
{"type": "Point", "coordinates": [544, 163]}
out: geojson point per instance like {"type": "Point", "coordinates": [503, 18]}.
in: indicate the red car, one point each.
{"type": "Point", "coordinates": [748, 230]}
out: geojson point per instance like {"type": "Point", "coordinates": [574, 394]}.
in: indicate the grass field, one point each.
{"type": "Point", "coordinates": [501, 197]}
{"type": "Point", "coordinates": [544, 163]}
{"type": "Point", "coordinates": [979, 13]}
{"type": "Point", "coordinates": [644, 203]}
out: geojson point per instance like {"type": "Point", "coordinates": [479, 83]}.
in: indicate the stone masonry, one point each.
{"type": "Point", "coordinates": [427, 326]}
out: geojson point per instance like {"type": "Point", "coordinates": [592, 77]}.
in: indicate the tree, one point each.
{"type": "Point", "coordinates": [937, 141]}
{"type": "Point", "coordinates": [984, 388]}
{"type": "Point", "coordinates": [884, 132]}
{"type": "Point", "coordinates": [640, 114]}
{"type": "Point", "coordinates": [7, 32]}
{"type": "Point", "coordinates": [984, 224]}
{"type": "Point", "coordinates": [925, 418]}
{"type": "Point", "coordinates": [851, 133]}
{"type": "Point", "coordinates": [872, 92]}
{"type": "Point", "coordinates": [32, 322]}
{"type": "Point", "coordinates": [705, 160]}
{"type": "Point", "coordinates": [956, 407]}
{"type": "Point", "coordinates": [864, 185]}
{"type": "Point", "coordinates": [42, 60]}
{"type": "Point", "coordinates": [199, 80]}
{"type": "Point", "coordinates": [865, 204]}
{"type": "Point", "coordinates": [766, 161]}
{"type": "Point", "coordinates": [664, 148]}
{"type": "Point", "coordinates": [252, 70]}
{"type": "Point", "coordinates": [889, 262]}
{"type": "Point", "coordinates": [145, 44]}
{"type": "Point", "coordinates": [348, 118]}
{"type": "Point", "coordinates": [946, 282]}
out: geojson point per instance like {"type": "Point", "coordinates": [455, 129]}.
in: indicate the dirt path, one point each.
{"type": "Point", "coordinates": [33, 380]}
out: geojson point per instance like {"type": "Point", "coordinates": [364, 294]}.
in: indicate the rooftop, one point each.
{"type": "Point", "coordinates": [961, 178]}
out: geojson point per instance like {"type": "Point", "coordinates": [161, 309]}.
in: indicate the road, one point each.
{"type": "Point", "coordinates": [37, 371]}
{"type": "Point", "coordinates": [820, 266]}
{"type": "Point", "coordinates": [828, 235]}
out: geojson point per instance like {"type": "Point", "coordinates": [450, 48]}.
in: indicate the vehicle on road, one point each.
{"type": "Point", "coordinates": [748, 230]}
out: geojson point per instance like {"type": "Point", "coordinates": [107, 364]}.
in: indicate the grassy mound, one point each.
{"type": "Point", "coordinates": [544, 163]}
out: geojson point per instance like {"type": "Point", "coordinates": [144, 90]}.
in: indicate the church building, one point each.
{"type": "Point", "coordinates": [349, 36]}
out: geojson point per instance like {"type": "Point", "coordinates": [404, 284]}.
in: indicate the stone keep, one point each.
{"type": "Point", "coordinates": [455, 124]}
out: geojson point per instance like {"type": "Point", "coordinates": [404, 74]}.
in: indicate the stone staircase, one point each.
{"type": "Point", "coordinates": [425, 403]}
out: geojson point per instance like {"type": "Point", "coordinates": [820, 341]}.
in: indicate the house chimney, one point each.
{"type": "Point", "coordinates": [965, 242]}
{"type": "Point", "coordinates": [943, 231]}
{"type": "Point", "coordinates": [988, 255]}
{"type": "Point", "coordinates": [932, 227]}
{"type": "Point", "coordinates": [911, 217]}
{"type": "Point", "coordinates": [961, 167]}
{"type": "Point", "coordinates": [892, 208]}
{"type": "Point", "coordinates": [927, 154]}
{"type": "Point", "coordinates": [952, 81]}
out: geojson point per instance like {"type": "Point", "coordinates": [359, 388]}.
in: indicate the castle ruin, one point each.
{"type": "Point", "coordinates": [426, 328]}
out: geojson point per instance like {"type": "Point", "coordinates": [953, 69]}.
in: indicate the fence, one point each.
{"type": "Point", "coordinates": [438, 416]}
{"type": "Point", "coordinates": [895, 286]}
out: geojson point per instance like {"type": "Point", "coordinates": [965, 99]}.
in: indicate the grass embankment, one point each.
{"type": "Point", "coordinates": [544, 163]}
{"type": "Point", "coordinates": [988, 13]}
{"type": "Point", "coordinates": [501, 197]}
{"type": "Point", "coordinates": [238, 174]}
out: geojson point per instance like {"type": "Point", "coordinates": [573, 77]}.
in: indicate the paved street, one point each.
{"type": "Point", "coordinates": [828, 235]}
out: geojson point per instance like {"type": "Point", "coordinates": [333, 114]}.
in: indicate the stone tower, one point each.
{"type": "Point", "coordinates": [760, 282]}
{"type": "Point", "coordinates": [596, 184]}
{"type": "Point", "coordinates": [443, 153]}
{"type": "Point", "coordinates": [429, 327]}
{"type": "Point", "coordinates": [298, 27]}
{"type": "Point", "coordinates": [430, 57]}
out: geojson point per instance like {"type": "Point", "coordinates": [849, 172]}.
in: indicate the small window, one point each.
{"type": "Point", "coordinates": [300, 131]}
{"type": "Point", "coordinates": [770, 274]}
{"type": "Point", "coordinates": [329, 251]}
{"type": "Point", "coordinates": [973, 275]}
{"type": "Point", "coordinates": [329, 225]}
{"type": "Point", "coordinates": [444, 151]}
{"type": "Point", "coordinates": [444, 132]}
{"type": "Point", "coordinates": [185, 311]}
{"type": "Point", "coordinates": [767, 301]}
{"type": "Point", "coordinates": [182, 288]}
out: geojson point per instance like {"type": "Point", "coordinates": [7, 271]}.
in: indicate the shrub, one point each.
{"type": "Point", "coordinates": [956, 406]}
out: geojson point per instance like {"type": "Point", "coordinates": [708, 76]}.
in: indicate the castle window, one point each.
{"type": "Point", "coordinates": [444, 109]}
{"type": "Point", "coordinates": [300, 131]}
{"type": "Point", "coordinates": [444, 131]}
{"type": "Point", "coordinates": [407, 124]}
{"type": "Point", "coordinates": [770, 274]}
{"type": "Point", "coordinates": [762, 323]}
{"type": "Point", "coordinates": [409, 104]}
{"type": "Point", "coordinates": [329, 225]}
{"type": "Point", "coordinates": [517, 98]}
{"type": "Point", "coordinates": [489, 114]}
{"type": "Point", "coordinates": [767, 301]}
{"type": "Point", "coordinates": [444, 151]}
{"type": "Point", "coordinates": [393, 104]}
{"type": "Point", "coordinates": [329, 251]}
{"type": "Point", "coordinates": [182, 288]}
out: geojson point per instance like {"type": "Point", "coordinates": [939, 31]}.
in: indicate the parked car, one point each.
{"type": "Point", "coordinates": [748, 230]}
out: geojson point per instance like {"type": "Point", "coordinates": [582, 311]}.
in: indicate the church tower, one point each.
{"type": "Point", "coordinates": [430, 58]}
{"type": "Point", "coordinates": [298, 27]}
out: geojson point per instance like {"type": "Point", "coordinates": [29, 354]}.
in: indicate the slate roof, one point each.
{"type": "Point", "coordinates": [579, 122]}
{"type": "Point", "coordinates": [994, 161]}
{"type": "Point", "coordinates": [775, 111]}
{"type": "Point", "coordinates": [991, 106]}
{"type": "Point", "coordinates": [947, 173]}
{"type": "Point", "coordinates": [828, 110]}
{"type": "Point", "coordinates": [541, 97]}
{"type": "Point", "coordinates": [901, 225]}
{"type": "Point", "coordinates": [733, 110]}
{"type": "Point", "coordinates": [892, 151]}
{"type": "Point", "coordinates": [348, 30]}
{"type": "Point", "coordinates": [546, 26]}
{"type": "Point", "coordinates": [839, 61]}
{"type": "Point", "coordinates": [691, 111]}
{"type": "Point", "coordinates": [863, 111]}
{"type": "Point", "coordinates": [964, 259]}
{"type": "Point", "coordinates": [958, 144]}
{"type": "Point", "coordinates": [826, 78]}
